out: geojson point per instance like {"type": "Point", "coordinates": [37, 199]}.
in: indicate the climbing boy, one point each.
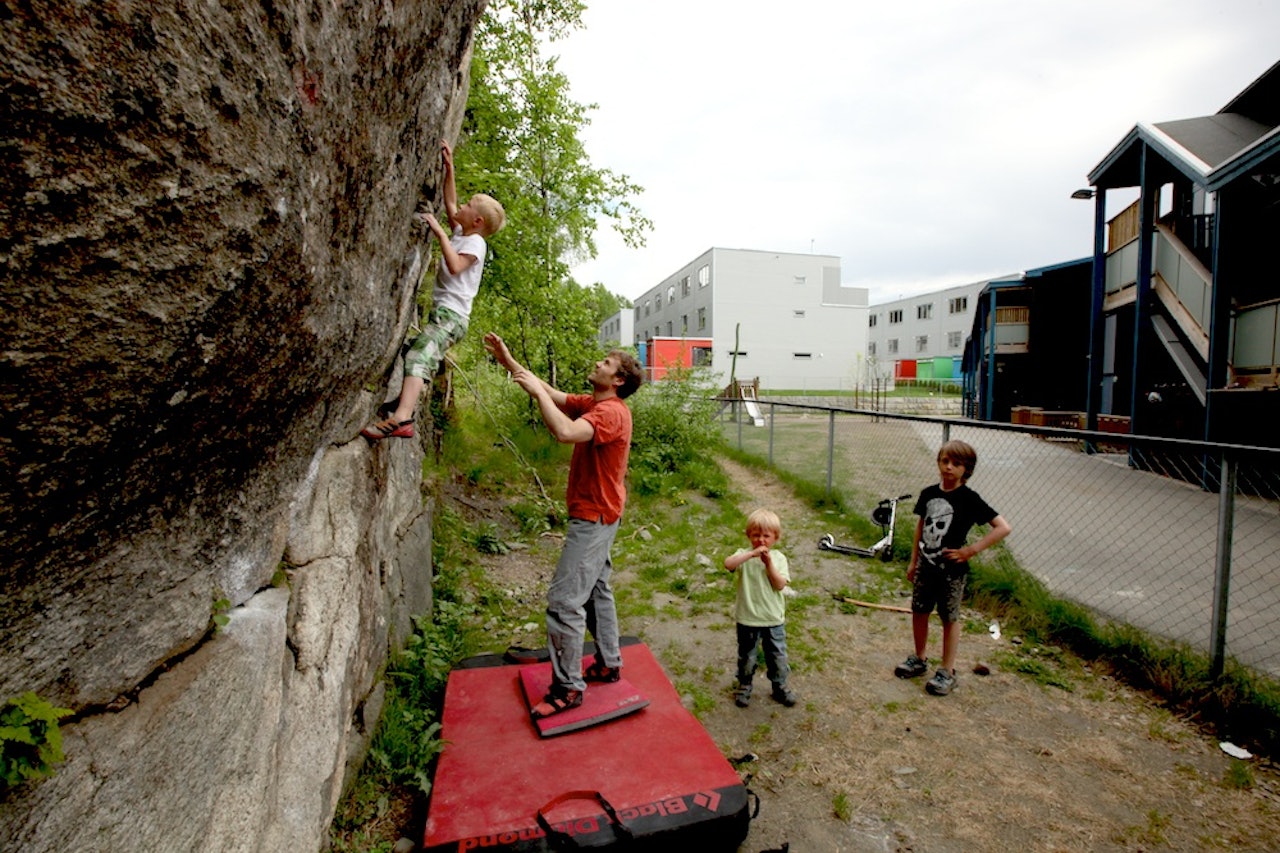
{"type": "Point", "coordinates": [940, 559]}
{"type": "Point", "coordinates": [457, 283]}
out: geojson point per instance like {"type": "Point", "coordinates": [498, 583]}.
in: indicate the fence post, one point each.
{"type": "Point", "coordinates": [946, 433]}
{"type": "Point", "coordinates": [772, 408]}
{"type": "Point", "coordinates": [831, 447]}
{"type": "Point", "coordinates": [740, 419]}
{"type": "Point", "coordinates": [1222, 574]}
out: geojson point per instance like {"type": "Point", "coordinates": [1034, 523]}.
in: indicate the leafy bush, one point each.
{"type": "Point", "coordinates": [30, 741]}
{"type": "Point", "coordinates": [674, 428]}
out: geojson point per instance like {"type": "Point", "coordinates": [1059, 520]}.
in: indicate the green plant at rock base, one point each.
{"type": "Point", "coordinates": [220, 607]}
{"type": "Point", "coordinates": [30, 740]}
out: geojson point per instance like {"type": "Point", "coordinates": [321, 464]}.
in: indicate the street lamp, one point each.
{"type": "Point", "coordinates": [1084, 194]}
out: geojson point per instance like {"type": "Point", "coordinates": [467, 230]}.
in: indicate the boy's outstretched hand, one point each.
{"type": "Point", "coordinates": [433, 224]}
{"type": "Point", "coordinates": [446, 155]}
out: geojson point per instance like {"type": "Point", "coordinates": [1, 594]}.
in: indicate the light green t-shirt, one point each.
{"type": "Point", "coordinates": [759, 604]}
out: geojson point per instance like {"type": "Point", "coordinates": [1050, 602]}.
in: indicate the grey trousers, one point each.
{"type": "Point", "coordinates": [580, 600]}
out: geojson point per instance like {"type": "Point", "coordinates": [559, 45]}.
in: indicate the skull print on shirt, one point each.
{"type": "Point", "coordinates": [937, 521]}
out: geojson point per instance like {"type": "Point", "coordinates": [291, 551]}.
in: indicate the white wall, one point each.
{"type": "Point", "coordinates": [781, 305]}
{"type": "Point", "coordinates": [618, 329]}
{"type": "Point", "coordinates": [937, 327]}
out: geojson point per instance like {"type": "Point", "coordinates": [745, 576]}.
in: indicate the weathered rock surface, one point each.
{"type": "Point", "coordinates": [207, 265]}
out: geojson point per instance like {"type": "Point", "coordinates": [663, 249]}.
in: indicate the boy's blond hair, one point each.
{"type": "Point", "coordinates": [766, 521]}
{"type": "Point", "coordinates": [491, 212]}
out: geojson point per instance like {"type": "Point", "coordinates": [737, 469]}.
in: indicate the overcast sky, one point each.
{"type": "Point", "coordinates": [927, 143]}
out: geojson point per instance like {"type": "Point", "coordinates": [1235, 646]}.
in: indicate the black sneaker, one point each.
{"type": "Point", "coordinates": [911, 667]}
{"type": "Point", "coordinates": [942, 683]}
{"type": "Point", "coordinates": [786, 696]}
{"type": "Point", "coordinates": [742, 695]}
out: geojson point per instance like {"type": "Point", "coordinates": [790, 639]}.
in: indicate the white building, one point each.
{"type": "Point", "coordinates": [789, 320]}
{"type": "Point", "coordinates": [922, 336]}
{"type": "Point", "coordinates": [618, 329]}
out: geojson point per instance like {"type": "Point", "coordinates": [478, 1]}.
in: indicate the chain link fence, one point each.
{"type": "Point", "coordinates": [1180, 539]}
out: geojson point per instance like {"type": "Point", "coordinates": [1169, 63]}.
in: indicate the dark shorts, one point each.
{"type": "Point", "coordinates": [942, 589]}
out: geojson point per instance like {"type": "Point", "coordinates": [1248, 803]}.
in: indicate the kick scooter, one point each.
{"type": "Point", "coordinates": [885, 514]}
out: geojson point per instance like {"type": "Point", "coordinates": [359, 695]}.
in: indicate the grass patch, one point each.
{"type": "Point", "coordinates": [1151, 834]}
{"type": "Point", "coordinates": [841, 807]}
{"type": "Point", "coordinates": [703, 701]}
{"type": "Point", "coordinates": [1042, 672]}
{"type": "Point", "coordinates": [1240, 700]}
{"type": "Point", "coordinates": [1238, 776]}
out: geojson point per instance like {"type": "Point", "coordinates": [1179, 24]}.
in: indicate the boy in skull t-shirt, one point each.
{"type": "Point", "coordinates": [940, 559]}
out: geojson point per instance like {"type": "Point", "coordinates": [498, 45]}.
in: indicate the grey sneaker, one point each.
{"type": "Point", "coordinates": [742, 695]}
{"type": "Point", "coordinates": [942, 683]}
{"type": "Point", "coordinates": [910, 668]}
{"type": "Point", "coordinates": [786, 696]}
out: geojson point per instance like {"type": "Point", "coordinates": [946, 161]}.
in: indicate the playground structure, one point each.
{"type": "Point", "coordinates": [746, 393]}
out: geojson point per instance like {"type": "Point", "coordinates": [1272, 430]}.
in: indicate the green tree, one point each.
{"type": "Point", "coordinates": [521, 143]}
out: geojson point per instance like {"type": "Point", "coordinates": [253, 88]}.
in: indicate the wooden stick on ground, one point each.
{"type": "Point", "coordinates": [890, 607]}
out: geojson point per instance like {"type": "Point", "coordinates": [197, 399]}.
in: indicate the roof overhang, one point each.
{"type": "Point", "coordinates": [1122, 167]}
{"type": "Point", "coordinates": [1246, 161]}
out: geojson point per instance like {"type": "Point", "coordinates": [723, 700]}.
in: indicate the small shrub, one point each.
{"type": "Point", "coordinates": [30, 740]}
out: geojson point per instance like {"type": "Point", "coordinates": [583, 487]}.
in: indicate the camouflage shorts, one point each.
{"type": "Point", "coordinates": [444, 329]}
{"type": "Point", "coordinates": [940, 588]}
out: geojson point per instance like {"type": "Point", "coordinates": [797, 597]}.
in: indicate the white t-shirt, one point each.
{"type": "Point", "coordinates": [457, 292]}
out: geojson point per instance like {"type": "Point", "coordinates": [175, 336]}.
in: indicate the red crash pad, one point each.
{"type": "Point", "coordinates": [601, 702]}
{"type": "Point", "coordinates": [645, 780]}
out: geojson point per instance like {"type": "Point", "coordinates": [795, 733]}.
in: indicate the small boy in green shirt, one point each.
{"type": "Point", "coordinates": [761, 608]}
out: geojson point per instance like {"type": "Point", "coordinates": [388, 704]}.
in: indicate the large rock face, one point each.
{"type": "Point", "coordinates": [207, 265]}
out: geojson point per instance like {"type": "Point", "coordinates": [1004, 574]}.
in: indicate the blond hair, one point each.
{"type": "Point", "coordinates": [765, 521]}
{"type": "Point", "coordinates": [490, 210]}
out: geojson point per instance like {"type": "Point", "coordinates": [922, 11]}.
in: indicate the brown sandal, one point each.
{"type": "Point", "coordinates": [605, 674]}
{"type": "Point", "coordinates": [556, 701]}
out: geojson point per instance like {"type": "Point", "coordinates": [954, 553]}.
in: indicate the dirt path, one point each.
{"type": "Point", "coordinates": [870, 762]}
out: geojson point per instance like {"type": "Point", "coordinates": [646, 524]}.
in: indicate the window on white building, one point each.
{"type": "Point", "coordinates": [702, 319]}
{"type": "Point", "coordinates": [671, 294]}
{"type": "Point", "coordinates": [924, 312]}
{"type": "Point", "coordinates": [871, 348]}
{"type": "Point", "coordinates": [895, 316]}
{"type": "Point", "coordinates": [958, 305]}
{"type": "Point", "coordinates": [953, 340]}
{"type": "Point", "coordinates": [872, 320]}
{"type": "Point", "coordinates": [893, 346]}
{"type": "Point", "coordinates": [684, 286]}
{"type": "Point", "coordinates": [657, 302]}
{"type": "Point", "coordinates": [922, 343]}
{"type": "Point", "coordinates": [684, 324]}
{"type": "Point", "coordinates": [704, 275]}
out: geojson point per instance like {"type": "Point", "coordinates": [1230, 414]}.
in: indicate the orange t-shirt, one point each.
{"type": "Point", "coordinates": [597, 472]}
